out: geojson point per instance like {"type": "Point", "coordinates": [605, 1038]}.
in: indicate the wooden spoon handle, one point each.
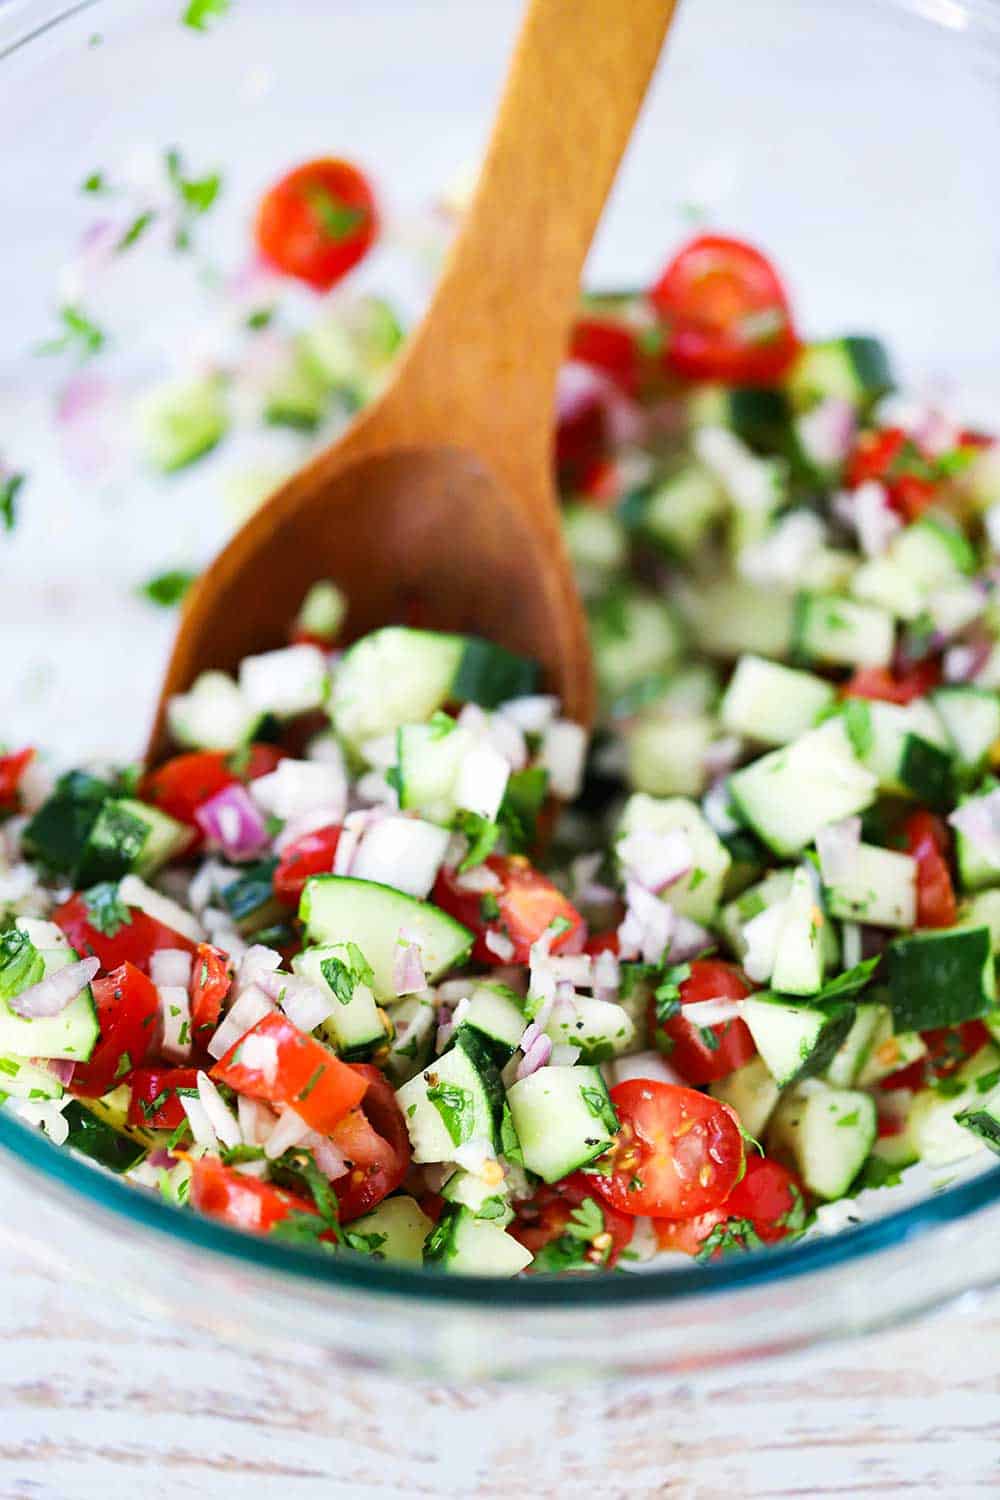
{"type": "Point", "coordinates": [490, 346]}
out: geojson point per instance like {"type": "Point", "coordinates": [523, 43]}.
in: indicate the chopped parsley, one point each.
{"type": "Point", "coordinates": [344, 975]}
{"type": "Point", "coordinates": [95, 183]}
{"type": "Point", "coordinates": [167, 589]}
{"type": "Point", "coordinates": [10, 488]}
{"type": "Point", "coordinates": [848, 983]}
{"type": "Point", "coordinates": [366, 1244]}
{"type": "Point", "coordinates": [600, 1107]}
{"type": "Point", "coordinates": [79, 334]}
{"type": "Point", "coordinates": [195, 195]}
{"type": "Point", "coordinates": [667, 995]}
{"type": "Point", "coordinates": [730, 1235]}
{"type": "Point", "coordinates": [455, 1106]}
{"type": "Point", "coordinates": [260, 318]}
{"type": "Point", "coordinates": [510, 1145]}
{"type": "Point", "coordinates": [106, 911]}
{"type": "Point", "coordinates": [135, 231]}
{"type": "Point", "coordinates": [482, 834]}
{"type": "Point", "coordinates": [199, 13]}
{"type": "Point", "coordinates": [21, 964]}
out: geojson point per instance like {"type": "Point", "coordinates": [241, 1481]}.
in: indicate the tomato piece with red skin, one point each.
{"type": "Point", "coordinates": [610, 347]}
{"type": "Point", "coordinates": [695, 1057]}
{"type": "Point", "coordinates": [128, 1015]}
{"type": "Point", "coordinates": [244, 1202]}
{"type": "Point", "coordinates": [727, 314]}
{"type": "Point", "coordinates": [602, 942]}
{"type": "Point", "coordinates": [526, 904]}
{"type": "Point", "coordinates": [948, 1047]}
{"type": "Point", "coordinates": [155, 1103]}
{"type": "Point", "coordinates": [373, 1137]}
{"type": "Point", "coordinates": [544, 1216]}
{"type": "Point", "coordinates": [280, 1064]}
{"type": "Point", "coordinates": [317, 221]}
{"type": "Point", "coordinates": [312, 854]}
{"type": "Point", "coordinates": [184, 782]}
{"type": "Point", "coordinates": [677, 1152]}
{"type": "Point", "coordinates": [12, 768]}
{"type": "Point", "coordinates": [133, 942]}
{"type": "Point", "coordinates": [928, 840]}
{"type": "Point", "coordinates": [890, 455]}
{"type": "Point", "coordinates": [885, 686]}
{"type": "Point", "coordinates": [211, 981]}
{"type": "Point", "coordinates": [583, 437]}
{"type": "Point", "coordinates": [768, 1198]}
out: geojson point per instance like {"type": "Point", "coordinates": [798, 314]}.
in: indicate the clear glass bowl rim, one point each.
{"type": "Point", "coordinates": [116, 1199]}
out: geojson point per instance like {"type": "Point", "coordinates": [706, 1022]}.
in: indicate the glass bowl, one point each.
{"type": "Point", "coordinates": [855, 142]}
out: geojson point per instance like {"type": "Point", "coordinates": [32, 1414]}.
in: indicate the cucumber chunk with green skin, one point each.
{"type": "Point", "coordinates": [395, 1230]}
{"type": "Point", "coordinates": [798, 961]}
{"type": "Point", "coordinates": [428, 758]}
{"type": "Point", "coordinates": [635, 635]}
{"type": "Point", "coordinates": [57, 834]}
{"type": "Point", "coordinates": [938, 1136]}
{"type": "Point", "coordinates": [100, 1141]}
{"type": "Point", "coordinates": [729, 616]}
{"type": "Point", "coordinates": [940, 978]}
{"type": "Point", "coordinates": [788, 795]}
{"type": "Point", "coordinates": [666, 757]}
{"type": "Point", "coordinates": [904, 746]}
{"type": "Point", "coordinates": [771, 703]}
{"type": "Point", "coordinates": [826, 1134]}
{"type": "Point", "coordinates": [129, 836]}
{"type": "Point", "coordinates": [461, 1242]}
{"type": "Point", "coordinates": [677, 513]}
{"type": "Point", "coordinates": [982, 1118]}
{"type": "Point", "coordinates": [496, 1012]}
{"type": "Point", "coordinates": [933, 552]}
{"type": "Point", "coordinates": [983, 910]}
{"type": "Point", "coordinates": [181, 422]}
{"type": "Point", "coordinates": [456, 1099]}
{"type": "Point", "coordinates": [600, 1028]}
{"type": "Point", "coordinates": [795, 1041]}
{"type": "Point", "coordinates": [294, 396]}
{"type": "Point", "coordinates": [971, 717]}
{"type": "Point", "coordinates": [852, 1054]}
{"type": "Point", "coordinates": [880, 888]}
{"type": "Point", "coordinates": [72, 1034]}
{"type": "Point", "coordinates": [397, 676]}
{"type": "Point", "coordinates": [414, 1023]}
{"type": "Point", "coordinates": [752, 1092]}
{"type": "Point", "coordinates": [854, 368]}
{"type": "Point", "coordinates": [20, 1078]}
{"type": "Point", "coordinates": [888, 1050]}
{"type": "Point", "coordinates": [697, 894]}
{"type": "Point", "coordinates": [338, 909]}
{"type": "Point", "coordinates": [355, 1026]}
{"type": "Point", "coordinates": [597, 544]}
{"type": "Point", "coordinates": [487, 1200]}
{"type": "Point", "coordinates": [564, 1119]}
{"type": "Point", "coordinates": [840, 632]}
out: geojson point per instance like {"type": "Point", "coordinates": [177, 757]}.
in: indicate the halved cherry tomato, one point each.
{"type": "Point", "coordinates": [610, 347]}
{"type": "Point", "coordinates": [128, 1013]}
{"type": "Point", "coordinates": [948, 1047]}
{"type": "Point", "coordinates": [240, 1201]}
{"type": "Point", "coordinates": [704, 1053]}
{"type": "Point", "coordinates": [12, 768]}
{"type": "Point", "coordinates": [727, 314]}
{"type": "Point", "coordinates": [277, 1062]}
{"type": "Point", "coordinates": [155, 1103]}
{"type": "Point", "coordinates": [374, 1139]}
{"type": "Point", "coordinates": [184, 782]}
{"type": "Point", "coordinates": [677, 1152]}
{"type": "Point", "coordinates": [312, 854]}
{"type": "Point", "coordinates": [132, 942]}
{"type": "Point", "coordinates": [927, 839]}
{"type": "Point", "coordinates": [211, 979]}
{"type": "Point", "coordinates": [317, 222]}
{"type": "Point", "coordinates": [543, 1217]}
{"type": "Point", "coordinates": [886, 686]}
{"type": "Point", "coordinates": [767, 1198]}
{"type": "Point", "coordinates": [526, 904]}
{"type": "Point", "coordinates": [891, 456]}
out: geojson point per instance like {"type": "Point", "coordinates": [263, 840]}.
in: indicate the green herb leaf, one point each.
{"type": "Point", "coordinates": [600, 1107]}
{"type": "Point", "coordinates": [95, 183]}
{"type": "Point", "coordinates": [667, 995]}
{"type": "Point", "coordinates": [261, 317]}
{"type": "Point", "coordinates": [135, 231]}
{"type": "Point", "coordinates": [732, 1234]}
{"type": "Point", "coordinates": [848, 983]}
{"type": "Point", "coordinates": [338, 220]}
{"type": "Point", "coordinates": [10, 487]}
{"type": "Point", "coordinates": [874, 1173]}
{"type": "Point", "coordinates": [198, 13]}
{"type": "Point", "coordinates": [21, 964]}
{"type": "Point", "coordinates": [366, 1244]}
{"type": "Point", "coordinates": [455, 1106]}
{"type": "Point", "coordinates": [510, 1145]}
{"type": "Point", "coordinates": [522, 803]}
{"type": "Point", "coordinates": [858, 723]}
{"type": "Point", "coordinates": [79, 333]}
{"type": "Point", "coordinates": [167, 589]}
{"type": "Point", "coordinates": [586, 1220]}
{"type": "Point", "coordinates": [482, 834]}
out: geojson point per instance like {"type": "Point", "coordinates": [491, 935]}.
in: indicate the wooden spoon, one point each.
{"type": "Point", "coordinates": [437, 506]}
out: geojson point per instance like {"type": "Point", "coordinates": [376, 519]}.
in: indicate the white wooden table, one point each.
{"type": "Point", "coordinates": [96, 1402]}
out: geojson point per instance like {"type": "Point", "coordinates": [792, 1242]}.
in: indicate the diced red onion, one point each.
{"type": "Point", "coordinates": [500, 945]}
{"type": "Point", "coordinates": [656, 859]}
{"type": "Point", "coordinates": [827, 432]}
{"type": "Point", "coordinates": [563, 753]}
{"type": "Point", "coordinates": [713, 1012]}
{"type": "Point", "coordinates": [250, 1006]}
{"type": "Point", "coordinates": [135, 892]}
{"type": "Point", "coordinates": [408, 975]}
{"type": "Point", "coordinates": [536, 1056]}
{"type": "Point", "coordinates": [256, 1120]}
{"type": "Point", "coordinates": [979, 820]}
{"type": "Point", "coordinates": [689, 939]}
{"type": "Point", "coordinates": [60, 1067]}
{"type": "Point", "coordinates": [231, 822]}
{"type": "Point", "coordinates": [51, 995]}
{"type": "Point", "coordinates": [201, 1126]}
{"type": "Point", "coordinates": [305, 1004]}
{"type": "Point", "coordinates": [175, 1021]}
{"type": "Point", "coordinates": [838, 846]}
{"type": "Point", "coordinates": [648, 927]}
{"type": "Point", "coordinates": [964, 662]}
{"type": "Point", "coordinates": [257, 961]}
{"type": "Point", "coordinates": [160, 1159]}
{"type": "Point", "coordinates": [761, 936]}
{"type": "Point", "coordinates": [291, 1130]}
{"type": "Point", "coordinates": [330, 1160]}
{"type": "Point", "coordinates": [935, 433]}
{"type": "Point", "coordinates": [171, 966]}
{"type": "Point", "coordinates": [532, 714]}
{"type": "Point", "coordinates": [875, 520]}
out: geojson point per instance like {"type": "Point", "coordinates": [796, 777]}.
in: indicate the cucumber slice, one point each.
{"type": "Point", "coordinates": [597, 544]}
{"type": "Point", "coordinates": [397, 676]}
{"type": "Point", "coordinates": [752, 1092]}
{"type": "Point", "coordinates": [730, 616]}
{"type": "Point", "coordinates": [773, 704]}
{"type": "Point", "coordinates": [350, 347]}
{"type": "Point", "coordinates": [129, 836]}
{"type": "Point", "coordinates": [395, 1230]}
{"type": "Point", "coordinates": [181, 421]}
{"type": "Point", "coordinates": [456, 1099]}
{"type": "Point", "coordinates": [599, 1028]}
{"type": "Point", "coordinates": [338, 909]}
{"type": "Point", "coordinates": [798, 960]}
{"type": "Point", "coordinates": [635, 635]}
{"type": "Point", "coordinates": [841, 632]}
{"type": "Point", "coordinates": [564, 1119]}
{"type": "Point", "coordinates": [788, 795]}
{"type": "Point", "coordinates": [826, 1134]}
{"type": "Point", "coordinates": [666, 757]}
{"type": "Point", "coordinates": [934, 552]}
{"type": "Point", "coordinates": [940, 978]}
{"type": "Point", "coordinates": [356, 1026]}
{"type": "Point", "coordinates": [796, 1041]}
{"type": "Point", "coordinates": [213, 715]}
{"type": "Point", "coordinates": [294, 396]}
{"type": "Point", "coordinates": [72, 1034]}
{"type": "Point", "coordinates": [971, 717]}
{"type": "Point", "coordinates": [474, 1247]}
{"type": "Point", "coordinates": [414, 1022]}
{"type": "Point", "coordinates": [854, 1051]}
{"type": "Point", "coordinates": [97, 1139]}
{"type": "Point", "coordinates": [888, 1051]}
{"type": "Point", "coordinates": [880, 888]}
{"type": "Point", "coordinates": [697, 895]}
{"type": "Point", "coordinates": [983, 910]}
{"type": "Point", "coordinates": [938, 1137]}
{"type": "Point", "coordinates": [487, 1200]}
{"type": "Point", "coordinates": [22, 1079]}
{"type": "Point", "coordinates": [678, 513]}
{"type": "Point", "coordinates": [496, 1013]}
{"type": "Point", "coordinates": [855, 368]}
{"type": "Point", "coordinates": [904, 746]}
{"type": "Point", "coordinates": [982, 1118]}
{"type": "Point", "coordinates": [882, 582]}
{"type": "Point", "coordinates": [428, 758]}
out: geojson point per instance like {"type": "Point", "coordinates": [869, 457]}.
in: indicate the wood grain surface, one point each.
{"type": "Point", "coordinates": [97, 1402]}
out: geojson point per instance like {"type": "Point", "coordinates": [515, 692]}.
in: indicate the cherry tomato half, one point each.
{"type": "Point", "coordinates": [769, 1198]}
{"type": "Point", "coordinates": [928, 840]}
{"type": "Point", "coordinates": [277, 1062]}
{"type": "Point", "coordinates": [132, 942]}
{"type": "Point", "coordinates": [526, 904]}
{"type": "Point", "coordinates": [727, 314]}
{"type": "Point", "coordinates": [128, 1013]}
{"type": "Point", "coordinates": [677, 1153]}
{"type": "Point", "coordinates": [704, 1053]}
{"type": "Point", "coordinates": [543, 1218]}
{"type": "Point", "coordinates": [317, 222]}
{"type": "Point", "coordinates": [374, 1139]}
{"type": "Point", "coordinates": [885, 686]}
{"type": "Point", "coordinates": [312, 854]}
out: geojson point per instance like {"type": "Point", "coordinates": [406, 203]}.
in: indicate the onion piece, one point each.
{"type": "Point", "coordinates": [536, 1056]}
{"type": "Point", "coordinates": [305, 1004]}
{"type": "Point", "coordinates": [250, 1006]}
{"type": "Point", "coordinates": [408, 976]}
{"type": "Point", "coordinates": [171, 966]}
{"type": "Point", "coordinates": [979, 821]}
{"type": "Point", "coordinates": [231, 822]}
{"type": "Point", "coordinates": [761, 935]}
{"type": "Point", "coordinates": [402, 852]}
{"type": "Point", "coordinates": [135, 892]}
{"type": "Point", "coordinates": [291, 1130]}
{"type": "Point", "coordinates": [838, 846]}
{"type": "Point", "coordinates": [713, 1012]}
{"type": "Point", "coordinates": [51, 995]}
{"type": "Point", "coordinates": [330, 1160]}
{"type": "Point", "coordinates": [649, 925]}
{"type": "Point", "coordinates": [563, 755]}
{"type": "Point", "coordinates": [297, 787]}
{"type": "Point", "coordinates": [532, 714]}
{"type": "Point", "coordinates": [656, 859]}
{"type": "Point", "coordinates": [220, 1116]}
{"type": "Point", "coordinates": [827, 432]}
{"type": "Point", "coordinates": [175, 1021]}
{"type": "Point", "coordinates": [500, 945]}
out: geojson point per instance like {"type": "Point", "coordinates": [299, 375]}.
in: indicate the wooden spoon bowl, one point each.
{"type": "Point", "coordinates": [437, 508]}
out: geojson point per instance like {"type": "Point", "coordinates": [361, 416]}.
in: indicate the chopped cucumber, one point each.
{"type": "Point", "coordinates": [697, 895]}
{"type": "Point", "coordinates": [72, 1034]}
{"type": "Point", "coordinates": [841, 632]}
{"type": "Point", "coordinates": [851, 1056]}
{"type": "Point", "coordinates": [597, 544]}
{"type": "Point", "coordinates": [730, 616]}
{"type": "Point", "coordinates": [356, 1025]}
{"type": "Point", "coordinates": [129, 836]}
{"type": "Point", "coordinates": [456, 1099]}
{"type": "Point", "coordinates": [826, 1134]}
{"type": "Point", "coordinates": [938, 1137]}
{"type": "Point", "coordinates": [181, 421]}
{"type": "Point", "coordinates": [940, 978]}
{"type": "Point", "coordinates": [428, 758]}
{"type": "Point", "coordinates": [414, 1023]}
{"type": "Point", "coordinates": [880, 888]}
{"type": "Point", "coordinates": [752, 1092]}
{"type": "Point", "coordinates": [395, 1230]}
{"type": "Point", "coordinates": [497, 1014]}
{"type": "Point", "coordinates": [971, 717]}
{"type": "Point", "coordinates": [666, 757]}
{"type": "Point", "coordinates": [564, 1119]}
{"type": "Point", "coordinates": [212, 715]}
{"type": "Point", "coordinates": [635, 636]}
{"type": "Point", "coordinates": [787, 796]}
{"type": "Point", "coordinates": [461, 1242]}
{"type": "Point", "coordinates": [796, 1041]}
{"type": "Point", "coordinates": [771, 703]}
{"type": "Point", "coordinates": [600, 1028]}
{"type": "Point", "coordinates": [854, 368]}
{"type": "Point", "coordinates": [798, 960]}
{"type": "Point", "coordinates": [679, 511]}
